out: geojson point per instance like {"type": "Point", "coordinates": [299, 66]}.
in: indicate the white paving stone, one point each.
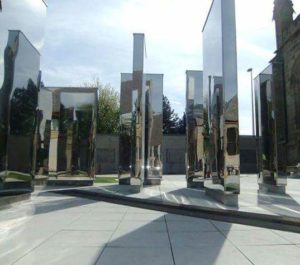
{"type": "Point", "coordinates": [136, 256]}
{"type": "Point", "coordinates": [151, 217]}
{"type": "Point", "coordinates": [272, 255]}
{"type": "Point", "coordinates": [229, 226]}
{"type": "Point", "coordinates": [256, 238]}
{"type": "Point", "coordinates": [46, 255]}
{"type": "Point", "coordinates": [185, 226]}
{"type": "Point", "coordinates": [57, 229]}
{"type": "Point", "coordinates": [224, 254]}
{"type": "Point", "coordinates": [103, 216]}
{"type": "Point", "coordinates": [82, 238]}
{"type": "Point", "coordinates": [93, 224]}
{"type": "Point", "coordinates": [292, 237]}
{"type": "Point", "coordinates": [139, 238]}
{"type": "Point", "coordinates": [197, 239]}
{"type": "Point", "coordinates": [131, 226]}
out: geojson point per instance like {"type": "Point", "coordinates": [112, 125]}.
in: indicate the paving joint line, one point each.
{"type": "Point", "coordinates": [236, 247]}
{"type": "Point", "coordinates": [105, 246]}
{"type": "Point", "coordinates": [171, 246]}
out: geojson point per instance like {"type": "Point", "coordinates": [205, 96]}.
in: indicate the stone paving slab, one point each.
{"type": "Point", "coordinates": [174, 189]}
{"type": "Point", "coordinates": [58, 229]}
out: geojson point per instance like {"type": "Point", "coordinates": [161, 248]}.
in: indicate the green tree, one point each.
{"type": "Point", "coordinates": [170, 118]}
{"type": "Point", "coordinates": [108, 108]}
{"type": "Point", "coordinates": [181, 125]}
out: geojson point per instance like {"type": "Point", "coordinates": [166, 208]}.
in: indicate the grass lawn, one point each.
{"type": "Point", "coordinates": [14, 175]}
{"type": "Point", "coordinates": [106, 179]}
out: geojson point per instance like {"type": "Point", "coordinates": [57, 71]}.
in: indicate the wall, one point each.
{"type": "Point", "coordinates": [173, 149]}
{"type": "Point", "coordinates": [107, 154]}
{"type": "Point", "coordinates": [248, 154]}
{"type": "Point", "coordinates": [173, 154]}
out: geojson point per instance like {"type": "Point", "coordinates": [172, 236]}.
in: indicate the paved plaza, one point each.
{"type": "Point", "coordinates": [57, 229]}
{"type": "Point", "coordinates": [173, 189]}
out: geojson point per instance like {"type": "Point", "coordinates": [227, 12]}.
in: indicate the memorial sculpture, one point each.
{"type": "Point", "coordinates": [141, 123]}
{"type": "Point", "coordinates": [66, 135]}
{"type": "Point", "coordinates": [269, 177]}
{"type": "Point", "coordinates": [220, 103]}
{"type": "Point", "coordinates": [19, 85]}
{"type": "Point", "coordinates": [194, 129]}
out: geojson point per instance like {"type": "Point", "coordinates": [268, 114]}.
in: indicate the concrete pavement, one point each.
{"type": "Point", "coordinates": [55, 229]}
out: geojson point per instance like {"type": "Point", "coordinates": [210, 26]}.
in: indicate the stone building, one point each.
{"type": "Point", "coordinates": [286, 85]}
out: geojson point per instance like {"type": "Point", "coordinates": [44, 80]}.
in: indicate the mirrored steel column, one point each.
{"type": "Point", "coordinates": [138, 119]}
{"type": "Point", "coordinates": [19, 84]}
{"type": "Point", "coordinates": [67, 131]}
{"type": "Point", "coordinates": [221, 126]}
{"type": "Point", "coordinates": [125, 147]}
{"type": "Point", "coordinates": [153, 128]}
{"type": "Point", "coordinates": [267, 146]}
{"type": "Point", "coordinates": [195, 129]}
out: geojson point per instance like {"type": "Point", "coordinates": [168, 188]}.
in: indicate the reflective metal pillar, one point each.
{"type": "Point", "coordinates": [194, 129]}
{"type": "Point", "coordinates": [67, 131]}
{"type": "Point", "coordinates": [19, 84]}
{"type": "Point", "coordinates": [269, 177]}
{"type": "Point", "coordinates": [221, 125]}
{"type": "Point", "coordinates": [138, 119]}
{"type": "Point", "coordinates": [153, 128]}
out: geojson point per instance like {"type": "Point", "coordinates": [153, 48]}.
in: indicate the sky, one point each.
{"type": "Point", "coordinates": [90, 39]}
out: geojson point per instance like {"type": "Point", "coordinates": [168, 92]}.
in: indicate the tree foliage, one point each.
{"type": "Point", "coordinates": [172, 124]}
{"type": "Point", "coordinates": [108, 108]}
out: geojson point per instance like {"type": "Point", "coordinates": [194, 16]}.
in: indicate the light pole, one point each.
{"type": "Point", "coordinates": [250, 70]}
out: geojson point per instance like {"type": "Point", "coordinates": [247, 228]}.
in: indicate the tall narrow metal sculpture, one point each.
{"type": "Point", "coordinates": [125, 140]}
{"type": "Point", "coordinates": [67, 129]}
{"type": "Point", "coordinates": [195, 129]}
{"type": "Point", "coordinates": [270, 177]}
{"type": "Point", "coordinates": [152, 166]}
{"type": "Point", "coordinates": [141, 123]}
{"type": "Point", "coordinates": [138, 113]}
{"type": "Point", "coordinates": [19, 84]}
{"type": "Point", "coordinates": [153, 128]}
{"type": "Point", "coordinates": [221, 126]}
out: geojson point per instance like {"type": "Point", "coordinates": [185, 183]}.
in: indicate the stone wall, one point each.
{"type": "Point", "coordinates": [107, 154]}
{"type": "Point", "coordinates": [248, 154]}
{"type": "Point", "coordinates": [173, 154]}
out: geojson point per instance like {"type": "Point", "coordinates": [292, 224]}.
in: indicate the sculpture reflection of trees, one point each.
{"type": "Point", "coordinates": [109, 107]}
{"type": "Point", "coordinates": [172, 124]}
{"type": "Point", "coordinates": [23, 110]}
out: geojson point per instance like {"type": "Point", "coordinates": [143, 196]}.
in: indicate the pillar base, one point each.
{"type": "Point", "coordinates": [124, 181]}
{"type": "Point", "coordinates": [74, 183]}
{"type": "Point", "coordinates": [270, 188]}
{"type": "Point", "coordinates": [225, 197]}
{"type": "Point", "coordinates": [196, 183]}
{"type": "Point", "coordinates": [136, 185]}
{"type": "Point", "coordinates": [153, 181]}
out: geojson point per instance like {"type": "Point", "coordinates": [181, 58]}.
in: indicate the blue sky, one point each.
{"type": "Point", "coordinates": [88, 39]}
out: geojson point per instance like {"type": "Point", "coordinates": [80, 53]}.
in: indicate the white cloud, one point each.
{"type": "Point", "coordinates": [88, 38]}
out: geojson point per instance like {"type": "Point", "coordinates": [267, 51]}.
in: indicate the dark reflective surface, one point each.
{"type": "Point", "coordinates": [221, 129]}
{"type": "Point", "coordinates": [153, 127]}
{"type": "Point", "coordinates": [138, 112]}
{"type": "Point", "coordinates": [19, 85]}
{"type": "Point", "coordinates": [266, 130]}
{"type": "Point", "coordinates": [126, 107]}
{"type": "Point", "coordinates": [132, 132]}
{"type": "Point", "coordinates": [67, 127]}
{"type": "Point", "coordinates": [194, 125]}
{"type": "Point", "coordinates": [18, 97]}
